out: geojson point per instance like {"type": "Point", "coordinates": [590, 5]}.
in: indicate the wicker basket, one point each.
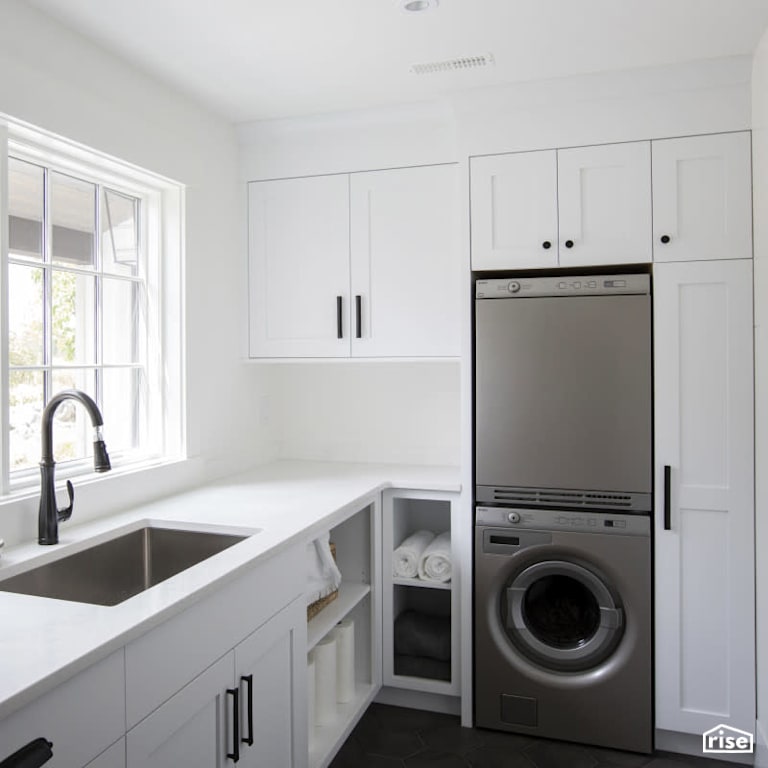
{"type": "Point", "coordinates": [314, 608]}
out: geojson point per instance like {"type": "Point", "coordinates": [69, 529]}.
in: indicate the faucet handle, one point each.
{"type": "Point", "coordinates": [65, 514]}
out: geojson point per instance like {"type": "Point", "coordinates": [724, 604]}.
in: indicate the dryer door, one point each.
{"type": "Point", "coordinates": [562, 615]}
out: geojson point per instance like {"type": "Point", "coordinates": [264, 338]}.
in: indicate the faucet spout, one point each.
{"type": "Point", "coordinates": [49, 514]}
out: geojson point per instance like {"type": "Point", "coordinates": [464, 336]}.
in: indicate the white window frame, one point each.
{"type": "Point", "coordinates": [163, 203]}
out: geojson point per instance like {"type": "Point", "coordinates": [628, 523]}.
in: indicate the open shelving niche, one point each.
{"type": "Point", "coordinates": [404, 513]}
{"type": "Point", "coordinates": [358, 557]}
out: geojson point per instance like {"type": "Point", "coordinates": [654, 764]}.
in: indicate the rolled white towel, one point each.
{"type": "Point", "coordinates": [435, 562]}
{"type": "Point", "coordinates": [405, 559]}
{"type": "Point", "coordinates": [323, 575]}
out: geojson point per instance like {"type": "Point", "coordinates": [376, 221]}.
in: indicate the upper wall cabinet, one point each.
{"type": "Point", "coordinates": [405, 277]}
{"type": "Point", "coordinates": [299, 267]}
{"type": "Point", "coordinates": [361, 265]}
{"type": "Point", "coordinates": [702, 200]}
{"type": "Point", "coordinates": [569, 207]}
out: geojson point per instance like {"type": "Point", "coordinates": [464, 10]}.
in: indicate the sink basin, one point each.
{"type": "Point", "coordinates": [111, 572]}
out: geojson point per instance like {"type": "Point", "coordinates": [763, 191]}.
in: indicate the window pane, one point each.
{"type": "Point", "coordinates": [119, 233]}
{"type": "Point", "coordinates": [72, 318]}
{"type": "Point", "coordinates": [25, 315]}
{"type": "Point", "coordinates": [123, 399]}
{"type": "Point", "coordinates": [121, 322]}
{"type": "Point", "coordinates": [25, 209]}
{"type": "Point", "coordinates": [72, 430]}
{"type": "Point", "coordinates": [24, 414]}
{"type": "Point", "coordinates": [73, 220]}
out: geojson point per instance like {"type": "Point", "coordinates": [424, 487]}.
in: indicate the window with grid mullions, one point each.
{"type": "Point", "coordinates": [76, 311]}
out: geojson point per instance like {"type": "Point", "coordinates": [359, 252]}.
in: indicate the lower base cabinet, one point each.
{"type": "Point", "coordinates": [239, 709]}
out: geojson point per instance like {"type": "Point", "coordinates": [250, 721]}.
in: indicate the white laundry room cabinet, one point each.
{"type": "Point", "coordinates": [355, 265]}
{"type": "Point", "coordinates": [702, 197]}
{"type": "Point", "coordinates": [704, 479]}
{"type": "Point", "coordinates": [566, 207]}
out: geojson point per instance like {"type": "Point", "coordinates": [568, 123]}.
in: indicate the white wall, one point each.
{"type": "Point", "coordinates": [60, 82]}
{"type": "Point", "coordinates": [760, 202]}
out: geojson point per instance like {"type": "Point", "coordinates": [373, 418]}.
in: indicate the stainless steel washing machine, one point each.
{"type": "Point", "coordinates": [563, 625]}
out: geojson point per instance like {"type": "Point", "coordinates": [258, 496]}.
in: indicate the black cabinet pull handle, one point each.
{"type": "Point", "coordinates": [358, 316]}
{"type": "Point", "coordinates": [569, 243]}
{"type": "Point", "coordinates": [665, 239]}
{"type": "Point", "coordinates": [339, 327]}
{"type": "Point", "coordinates": [32, 755]}
{"type": "Point", "coordinates": [248, 680]}
{"type": "Point", "coordinates": [546, 245]}
{"type": "Point", "coordinates": [667, 498]}
{"type": "Point", "coordinates": [234, 755]}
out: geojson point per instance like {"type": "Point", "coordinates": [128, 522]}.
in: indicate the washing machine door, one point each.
{"type": "Point", "coordinates": [562, 615]}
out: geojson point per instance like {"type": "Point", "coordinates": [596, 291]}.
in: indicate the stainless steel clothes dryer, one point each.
{"type": "Point", "coordinates": [563, 625]}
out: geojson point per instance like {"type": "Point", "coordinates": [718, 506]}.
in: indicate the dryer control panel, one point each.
{"type": "Point", "coordinates": [563, 520]}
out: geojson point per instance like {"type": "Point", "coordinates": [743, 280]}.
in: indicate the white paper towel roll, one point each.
{"type": "Point", "coordinates": [311, 695]}
{"type": "Point", "coordinates": [325, 681]}
{"type": "Point", "coordinates": [344, 633]}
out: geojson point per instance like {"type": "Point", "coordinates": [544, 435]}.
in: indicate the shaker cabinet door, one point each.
{"type": "Point", "coordinates": [299, 267]}
{"type": "Point", "coordinates": [604, 196]}
{"type": "Point", "coordinates": [513, 200]}
{"type": "Point", "coordinates": [704, 545]}
{"type": "Point", "coordinates": [702, 198]}
{"type": "Point", "coordinates": [406, 272]}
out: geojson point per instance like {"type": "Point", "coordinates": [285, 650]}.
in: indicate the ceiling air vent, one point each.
{"type": "Point", "coordinates": [453, 65]}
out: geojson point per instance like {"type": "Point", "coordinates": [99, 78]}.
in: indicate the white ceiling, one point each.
{"type": "Point", "coordinates": [256, 59]}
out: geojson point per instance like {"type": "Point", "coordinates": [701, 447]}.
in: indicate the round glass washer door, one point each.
{"type": "Point", "coordinates": [562, 615]}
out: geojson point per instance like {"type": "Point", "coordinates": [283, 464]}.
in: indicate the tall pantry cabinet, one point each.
{"type": "Point", "coordinates": [704, 373]}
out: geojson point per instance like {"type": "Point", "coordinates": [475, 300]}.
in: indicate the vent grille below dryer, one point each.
{"type": "Point", "coordinates": [568, 499]}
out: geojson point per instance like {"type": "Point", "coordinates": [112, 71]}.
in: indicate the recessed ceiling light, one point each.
{"type": "Point", "coordinates": [418, 6]}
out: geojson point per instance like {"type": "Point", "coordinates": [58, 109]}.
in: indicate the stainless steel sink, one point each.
{"type": "Point", "coordinates": [111, 572]}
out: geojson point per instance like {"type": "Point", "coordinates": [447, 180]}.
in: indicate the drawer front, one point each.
{"type": "Point", "coordinates": [168, 657]}
{"type": "Point", "coordinates": [81, 717]}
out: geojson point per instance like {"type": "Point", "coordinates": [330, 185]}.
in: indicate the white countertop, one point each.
{"type": "Point", "coordinates": [43, 641]}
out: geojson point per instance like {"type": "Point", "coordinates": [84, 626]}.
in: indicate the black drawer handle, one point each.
{"type": "Point", "coordinates": [665, 239]}
{"type": "Point", "coordinates": [667, 498]}
{"type": "Point", "coordinates": [248, 680]}
{"type": "Point", "coordinates": [234, 755]}
{"type": "Point", "coordinates": [339, 327]}
{"type": "Point", "coordinates": [32, 755]}
{"type": "Point", "coordinates": [546, 245]}
{"type": "Point", "coordinates": [569, 243]}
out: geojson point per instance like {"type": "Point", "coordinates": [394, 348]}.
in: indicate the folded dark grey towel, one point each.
{"type": "Point", "coordinates": [417, 634]}
{"type": "Point", "coordinates": [419, 666]}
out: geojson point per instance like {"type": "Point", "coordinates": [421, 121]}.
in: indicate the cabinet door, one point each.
{"type": "Point", "coordinates": [299, 267]}
{"type": "Point", "coordinates": [702, 198]}
{"type": "Point", "coordinates": [705, 621]}
{"type": "Point", "coordinates": [604, 195]}
{"type": "Point", "coordinates": [193, 729]}
{"type": "Point", "coordinates": [270, 668]}
{"type": "Point", "coordinates": [513, 203]}
{"type": "Point", "coordinates": [404, 226]}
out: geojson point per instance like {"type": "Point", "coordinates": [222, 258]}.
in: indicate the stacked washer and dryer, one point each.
{"type": "Point", "coordinates": [563, 500]}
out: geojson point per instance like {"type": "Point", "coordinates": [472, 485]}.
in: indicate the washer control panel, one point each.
{"type": "Point", "coordinates": [553, 520]}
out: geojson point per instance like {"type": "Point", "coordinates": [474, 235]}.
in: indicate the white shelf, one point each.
{"type": "Point", "coordinates": [402, 582]}
{"type": "Point", "coordinates": [350, 594]}
{"type": "Point", "coordinates": [326, 739]}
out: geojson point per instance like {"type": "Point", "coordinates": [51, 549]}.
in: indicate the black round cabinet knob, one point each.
{"type": "Point", "coordinates": [665, 239]}
{"type": "Point", "coordinates": [546, 245]}
{"type": "Point", "coordinates": [569, 243]}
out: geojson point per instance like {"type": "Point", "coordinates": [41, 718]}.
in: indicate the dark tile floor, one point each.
{"type": "Point", "coordinates": [393, 737]}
